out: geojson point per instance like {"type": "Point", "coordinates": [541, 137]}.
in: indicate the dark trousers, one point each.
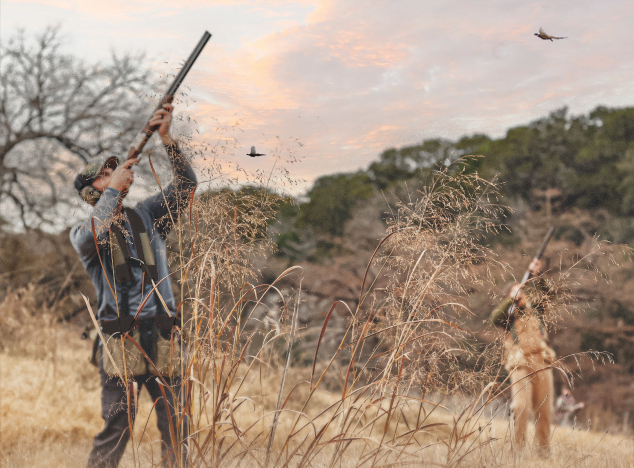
{"type": "Point", "coordinates": [109, 445]}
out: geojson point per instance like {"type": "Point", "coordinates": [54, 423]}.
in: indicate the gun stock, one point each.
{"type": "Point", "coordinates": [148, 130]}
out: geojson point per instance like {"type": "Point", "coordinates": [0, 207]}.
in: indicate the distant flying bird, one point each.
{"type": "Point", "coordinates": [542, 35]}
{"type": "Point", "coordinates": [253, 153]}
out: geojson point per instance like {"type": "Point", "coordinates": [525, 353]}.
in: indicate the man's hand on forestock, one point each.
{"type": "Point", "coordinates": [536, 267]}
{"type": "Point", "coordinates": [163, 118]}
{"type": "Point", "coordinates": [122, 177]}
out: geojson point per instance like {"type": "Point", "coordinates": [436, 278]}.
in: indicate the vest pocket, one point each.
{"type": "Point", "coordinates": [168, 355]}
{"type": "Point", "coordinates": [134, 360]}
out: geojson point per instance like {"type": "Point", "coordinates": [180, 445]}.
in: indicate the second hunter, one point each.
{"type": "Point", "coordinates": [528, 356]}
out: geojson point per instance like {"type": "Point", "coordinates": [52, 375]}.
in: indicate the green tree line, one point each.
{"type": "Point", "coordinates": [584, 161]}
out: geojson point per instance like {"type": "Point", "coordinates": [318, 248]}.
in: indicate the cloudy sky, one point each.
{"type": "Point", "coordinates": [349, 78]}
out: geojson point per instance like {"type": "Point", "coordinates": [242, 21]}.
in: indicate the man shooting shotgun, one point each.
{"type": "Point", "coordinates": [125, 260]}
{"type": "Point", "coordinates": [527, 352]}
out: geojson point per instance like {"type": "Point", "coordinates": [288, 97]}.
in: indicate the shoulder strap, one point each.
{"type": "Point", "coordinates": [142, 243]}
{"type": "Point", "coordinates": [514, 335]}
{"type": "Point", "coordinates": [120, 255]}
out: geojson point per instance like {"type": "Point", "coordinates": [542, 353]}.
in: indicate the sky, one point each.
{"type": "Point", "coordinates": [350, 78]}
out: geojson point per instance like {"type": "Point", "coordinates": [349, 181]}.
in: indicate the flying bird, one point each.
{"type": "Point", "coordinates": [253, 153]}
{"type": "Point", "coordinates": [542, 35]}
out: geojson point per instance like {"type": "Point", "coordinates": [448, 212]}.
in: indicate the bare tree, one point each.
{"type": "Point", "coordinates": [56, 113]}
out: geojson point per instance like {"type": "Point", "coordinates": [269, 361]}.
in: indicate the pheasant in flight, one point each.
{"type": "Point", "coordinates": [542, 35]}
{"type": "Point", "coordinates": [254, 153]}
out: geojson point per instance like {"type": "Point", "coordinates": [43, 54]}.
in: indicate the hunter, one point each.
{"type": "Point", "coordinates": [528, 357]}
{"type": "Point", "coordinates": [130, 273]}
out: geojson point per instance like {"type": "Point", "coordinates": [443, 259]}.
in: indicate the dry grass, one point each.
{"type": "Point", "coordinates": [402, 385]}
{"type": "Point", "coordinates": [48, 420]}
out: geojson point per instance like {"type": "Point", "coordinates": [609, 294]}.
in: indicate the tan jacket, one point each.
{"type": "Point", "coordinates": [525, 343]}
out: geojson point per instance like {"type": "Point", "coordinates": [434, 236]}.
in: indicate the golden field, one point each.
{"type": "Point", "coordinates": [50, 411]}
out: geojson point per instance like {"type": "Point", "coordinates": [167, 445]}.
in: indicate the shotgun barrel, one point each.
{"type": "Point", "coordinates": [148, 130]}
{"type": "Point", "coordinates": [539, 255]}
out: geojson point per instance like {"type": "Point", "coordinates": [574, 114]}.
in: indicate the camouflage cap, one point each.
{"type": "Point", "coordinates": [83, 181]}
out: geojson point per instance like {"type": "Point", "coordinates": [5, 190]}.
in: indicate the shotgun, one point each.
{"type": "Point", "coordinates": [538, 256]}
{"type": "Point", "coordinates": [148, 130]}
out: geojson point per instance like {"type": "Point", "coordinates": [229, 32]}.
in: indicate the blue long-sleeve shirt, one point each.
{"type": "Point", "coordinates": [155, 214]}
